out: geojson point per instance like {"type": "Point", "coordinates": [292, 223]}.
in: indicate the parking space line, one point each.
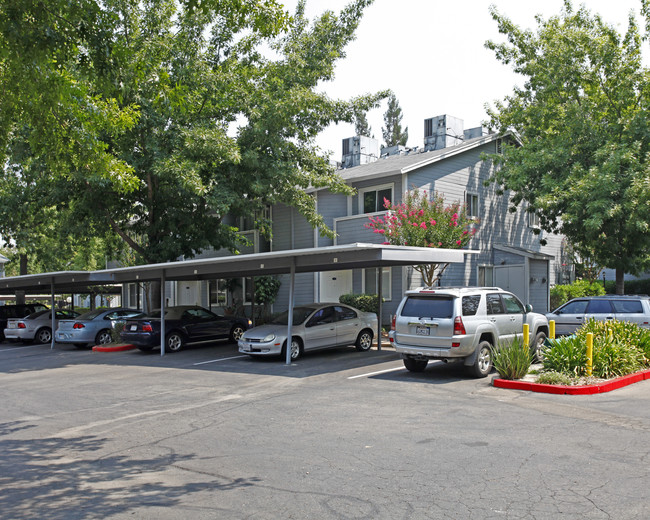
{"type": "Point", "coordinates": [217, 360]}
{"type": "Point", "coordinates": [378, 372]}
{"type": "Point", "coordinates": [19, 348]}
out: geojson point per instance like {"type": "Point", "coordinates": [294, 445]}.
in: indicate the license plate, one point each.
{"type": "Point", "coordinates": [422, 331]}
{"type": "Point", "coordinates": [11, 326]}
{"type": "Point", "coordinates": [134, 328]}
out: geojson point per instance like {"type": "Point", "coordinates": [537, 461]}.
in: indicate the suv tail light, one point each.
{"type": "Point", "coordinates": [147, 328]}
{"type": "Point", "coordinates": [392, 322]}
{"type": "Point", "coordinates": [78, 326]}
{"type": "Point", "coordinates": [459, 327]}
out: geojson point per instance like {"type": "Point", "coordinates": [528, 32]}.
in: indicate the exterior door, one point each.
{"type": "Point", "coordinates": [334, 284]}
{"type": "Point", "coordinates": [511, 278]}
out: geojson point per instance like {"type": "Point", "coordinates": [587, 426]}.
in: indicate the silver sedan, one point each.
{"type": "Point", "coordinates": [93, 326]}
{"type": "Point", "coordinates": [36, 326]}
{"type": "Point", "coordinates": [315, 326]}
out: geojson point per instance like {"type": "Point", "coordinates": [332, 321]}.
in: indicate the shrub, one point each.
{"type": "Point", "coordinates": [563, 293]}
{"type": "Point", "coordinates": [512, 360]}
{"type": "Point", "coordinates": [631, 286]}
{"type": "Point", "coordinates": [566, 355]}
{"type": "Point", "coordinates": [554, 378]}
{"type": "Point", "coordinates": [115, 332]}
{"type": "Point", "coordinates": [363, 302]}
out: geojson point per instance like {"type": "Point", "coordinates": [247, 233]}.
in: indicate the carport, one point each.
{"type": "Point", "coordinates": [350, 256]}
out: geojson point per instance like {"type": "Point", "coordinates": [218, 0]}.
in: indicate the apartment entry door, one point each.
{"type": "Point", "coordinates": [511, 278]}
{"type": "Point", "coordinates": [334, 284]}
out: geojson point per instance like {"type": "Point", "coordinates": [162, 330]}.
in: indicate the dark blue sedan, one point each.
{"type": "Point", "coordinates": [184, 325]}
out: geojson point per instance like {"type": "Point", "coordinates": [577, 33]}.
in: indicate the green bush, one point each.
{"type": "Point", "coordinates": [554, 378]}
{"type": "Point", "coordinates": [363, 302]}
{"type": "Point", "coordinates": [512, 360]}
{"type": "Point", "coordinates": [115, 332]}
{"type": "Point", "coordinates": [625, 352]}
{"type": "Point", "coordinates": [563, 293]}
{"type": "Point", "coordinates": [631, 286]}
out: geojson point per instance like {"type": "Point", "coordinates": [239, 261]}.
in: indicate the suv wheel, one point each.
{"type": "Point", "coordinates": [483, 364]}
{"type": "Point", "coordinates": [415, 365]}
{"type": "Point", "coordinates": [538, 347]}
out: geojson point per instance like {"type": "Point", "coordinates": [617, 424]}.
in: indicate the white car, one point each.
{"type": "Point", "coordinates": [37, 326]}
{"type": "Point", "coordinates": [315, 326]}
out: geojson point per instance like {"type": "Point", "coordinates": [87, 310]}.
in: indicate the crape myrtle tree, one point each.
{"type": "Point", "coordinates": [424, 220]}
{"type": "Point", "coordinates": [582, 116]}
{"type": "Point", "coordinates": [152, 120]}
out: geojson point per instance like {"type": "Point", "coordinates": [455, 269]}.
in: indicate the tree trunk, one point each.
{"type": "Point", "coordinates": [620, 281]}
{"type": "Point", "coordinates": [20, 295]}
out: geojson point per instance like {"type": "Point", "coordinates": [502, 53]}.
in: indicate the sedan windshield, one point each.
{"type": "Point", "coordinates": [300, 314]}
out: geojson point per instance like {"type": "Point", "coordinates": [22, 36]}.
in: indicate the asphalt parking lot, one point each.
{"type": "Point", "coordinates": [207, 433]}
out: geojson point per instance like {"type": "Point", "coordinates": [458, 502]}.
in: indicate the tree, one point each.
{"type": "Point", "coordinates": [361, 126]}
{"type": "Point", "coordinates": [129, 118]}
{"type": "Point", "coordinates": [582, 118]}
{"type": "Point", "coordinates": [392, 132]}
{"type": "Point", "coordinates": [421, 221]}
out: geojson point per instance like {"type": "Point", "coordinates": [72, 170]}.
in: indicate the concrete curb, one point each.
{"type": "Point", "coordinates": [608, 386]}
{"type": "Point", "coordinates": [115, 348]}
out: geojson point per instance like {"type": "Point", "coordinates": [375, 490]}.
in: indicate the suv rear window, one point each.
{"type": "Point", "coordinates": [628, 306]}
{"type": "Point", "coordinates": [428, 307]}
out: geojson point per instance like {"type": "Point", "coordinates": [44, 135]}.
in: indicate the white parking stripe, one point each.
{"type": "Point", "coordinates": [378, 372]}
{"type": "Point", "coordinates": [22, 348]}
{"type": "Point", "coordinates": [217, 360]}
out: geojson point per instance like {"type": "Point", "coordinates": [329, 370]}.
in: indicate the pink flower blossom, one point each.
{"type": "Point", "coordinates": [381, 231]}
{"type": "Point", "coordinates": [423, 225]}
{"type": "Point", "coordinates": [415, 224]}
{"type": "Point", "coordinates": [439, 244]}
{"type": "Point", "coordinates": [421, 212]}
{"type": "Point", "coordinates": [458, 242]}
{"type": "Point", "coordinates": [433, 222]}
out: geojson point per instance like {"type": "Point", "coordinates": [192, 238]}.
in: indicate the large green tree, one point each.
{"type": "Point", "coordinates": [582, 116]}
{"type": "Point", "coordinates": [154, 120]}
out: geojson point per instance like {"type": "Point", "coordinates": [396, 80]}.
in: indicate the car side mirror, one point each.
{"type": "Point", "coordinates": [529, 308]}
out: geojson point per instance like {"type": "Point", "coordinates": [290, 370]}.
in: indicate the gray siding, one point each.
{"type": "Point", "coordinates": [330, 206]}
{"type": "Point", "coordinates": [304, 291]}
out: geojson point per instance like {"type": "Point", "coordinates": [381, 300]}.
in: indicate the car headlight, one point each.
{"type": "Point", "coordinates": [268, 338]}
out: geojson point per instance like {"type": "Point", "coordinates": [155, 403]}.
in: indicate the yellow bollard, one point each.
{"type": "Point", "coordinates": [610, 332]}
{"type": "Point", "coordinates": [526, 341]}
{"type": "Point", "coordinates": [551, 326]}
{"type": "Point", "coordinates": [590, 352]}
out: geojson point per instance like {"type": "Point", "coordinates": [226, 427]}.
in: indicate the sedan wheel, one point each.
{"type": "Point", "coordinates": [364, 340]}
{"type": "Point", "coordinates": [175, 342]}
{"type": "Point", "coordinates": [236, 333]}
{"type": "Point", "coordinates": [44, 335]}
{"type": "Point", "coordinates": [296, 349]}
{"type": "Point", "coordinates": [103, 337]}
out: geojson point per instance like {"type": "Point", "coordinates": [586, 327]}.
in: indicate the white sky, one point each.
{"type": "Point", "coordinates": [431, 54]}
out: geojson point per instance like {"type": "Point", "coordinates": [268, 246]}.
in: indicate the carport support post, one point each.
{"type": "Point", "coordinates": [52, 313]}
{"type": "Point", "coordinates": [379, 304]}
{"type": "Point", "coordinates": [162, 313]}
{"type": "Point", "coordinates": [292, 278]}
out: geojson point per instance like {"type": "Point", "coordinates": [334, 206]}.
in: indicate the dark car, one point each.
{"type": "Point", "coordinates": [184, 325]}
{"type": "Point", "coordinates": [17, 311]}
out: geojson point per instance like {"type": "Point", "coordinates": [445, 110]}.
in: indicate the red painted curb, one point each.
{"type": "Point", "coordinates": [118, 348]}
{"type": "Point", "coordinates": [614, 384]}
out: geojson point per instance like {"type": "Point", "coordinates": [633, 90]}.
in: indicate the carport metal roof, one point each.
{"type": "Point", "coordinates": [332, 258]}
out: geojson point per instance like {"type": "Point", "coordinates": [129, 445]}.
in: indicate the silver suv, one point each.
{"type": "Point", "coordinates": [462, 323]}
{"type": "Point", "coordinates": [573, 314]}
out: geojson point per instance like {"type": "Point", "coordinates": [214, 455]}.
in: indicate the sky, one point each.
{"type": "Point", "coordinates": [431, 54]}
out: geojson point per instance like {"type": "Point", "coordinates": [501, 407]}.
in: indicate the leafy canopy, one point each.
{"type": "Point", "coordinates": [158, 122]}
{"type": "Point", "coordinates": [582, 116]}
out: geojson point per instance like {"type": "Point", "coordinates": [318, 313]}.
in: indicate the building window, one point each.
{"type": "Point", "coordinates": [371, 200]}
{"type": "Point", "coordinates": [218, 293]}
{"type": "Point", "coordinates": [533, 219]}
{"type": "Point", "coordinates": [370, 282]}
{"type": "Point", "coordinates": [485, 276]}
{"type": "Point", "coordinates": [471, 205]}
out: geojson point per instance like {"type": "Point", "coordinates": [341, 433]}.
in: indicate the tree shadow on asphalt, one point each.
{"type": "Point", "coordinates": [60, 478]}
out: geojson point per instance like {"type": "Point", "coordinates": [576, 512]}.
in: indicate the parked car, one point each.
{"type": "Point", "coordinates": [35, 327]}
{"type": "Point", "coordinates": [17, 311]}
{"type": "Point", "coordinates": [92, 326]}
{"type": "Point", "coordinates": [315, 326]}
{"type": "Point", "coordinates": [570, 316]}
{"type": "Point", "coordinates": [464, 324]}
{"type": "Point", "coordinates": [184, 325]}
